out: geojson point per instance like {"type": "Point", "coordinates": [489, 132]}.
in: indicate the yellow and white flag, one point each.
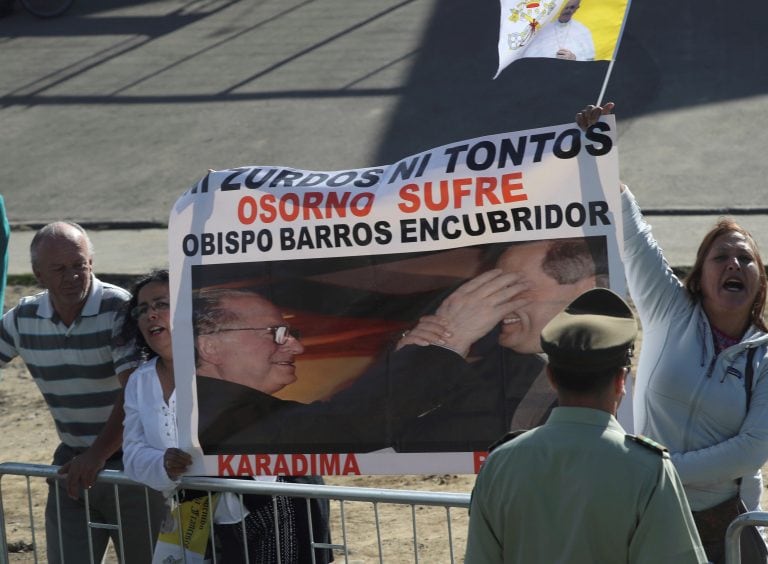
{"type": "Point", "coordinates": [576, 30]}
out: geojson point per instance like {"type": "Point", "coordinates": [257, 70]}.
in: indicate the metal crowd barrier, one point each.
{"type": "Point", "coordinates": [733, 534]}
{"type": "Point", "coordinates": [339, 496]}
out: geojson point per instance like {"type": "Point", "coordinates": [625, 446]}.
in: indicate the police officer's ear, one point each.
{"type": "Point", "coordinates": [619, 382]}
{"type": "Point", "coordinates": [550, 379]}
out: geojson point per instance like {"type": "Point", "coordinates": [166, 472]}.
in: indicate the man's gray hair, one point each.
{"type": "Point", "coordinates": [571, 260]}
{"type": "Point", "coordinates": [55, 230]}
{"type": "Point", "coordinates": [566, 261]}
{"type": "Point", "coordinates": [208, 313]}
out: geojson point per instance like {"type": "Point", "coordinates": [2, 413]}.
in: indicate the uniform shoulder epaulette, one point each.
{"type": "Point", "coordinates": [648, 443]}
{"type": "Point", "coordinates": [506, 438]}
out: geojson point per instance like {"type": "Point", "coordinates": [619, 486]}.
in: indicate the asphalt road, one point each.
{"type": "Point", "coordinates": [108, 113]}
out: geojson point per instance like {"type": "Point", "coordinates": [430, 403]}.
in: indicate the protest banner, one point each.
{"type": "Point", "coordinates": [291, 289]}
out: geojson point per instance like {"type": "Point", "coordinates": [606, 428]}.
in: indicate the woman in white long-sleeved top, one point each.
{"type": "Point", "coordinates": [690, 392]}
{"type": "Point", "coordinates": [150, 443]}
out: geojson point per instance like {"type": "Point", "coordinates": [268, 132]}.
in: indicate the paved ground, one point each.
{"type": "Point", "coordinates": [108, 113]}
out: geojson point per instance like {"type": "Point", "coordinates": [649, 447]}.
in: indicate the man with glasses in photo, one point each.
{"type": "Point", "coordinates": [242, 339]}
{"type": "Point", "coordinates": [245, 353]}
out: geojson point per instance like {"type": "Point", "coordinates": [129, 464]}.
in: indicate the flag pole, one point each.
{"type": "Point", "coordinates": [613, 58]}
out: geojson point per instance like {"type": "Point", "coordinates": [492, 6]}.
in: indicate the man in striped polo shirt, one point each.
{"type": "Point", "coordinates": [65, 335]}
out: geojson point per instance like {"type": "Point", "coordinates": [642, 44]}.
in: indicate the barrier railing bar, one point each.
{"type": "Point", "coordinates": [88, 520]}
{"type": "Point", "coordinates": [149, 518]}
{"type": "Point", "coordinates": [31, 516]}
{"type": "Point", "coordinates": [179, 532]}
{"type": "Point", "coordinates": [450, 533]}
{"type": "Point", "coordinates": [216, 484]}
{"type": "Point", "coordinates": [276, 519]}
{"type": "Point", "coordinates": [343, 530]}
{"type": "Point", "coordinates": [378, 531]}
{"type": "Point", "coordinates": [210, 527]}
{"type": "Point", "coordinates": [119, 524]}
{"type": "Point", "coordinates": [415, 539]}
{"type": "Point", "coordinates": [308, 507]}
{"type": "Point", "coordinates": [57, 492]}
{"type": "Point", "coordinates": [341, 494]}
{"type": "Point", "coordinates": [733, 533]}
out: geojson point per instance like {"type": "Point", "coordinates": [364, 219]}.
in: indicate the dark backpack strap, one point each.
{"type": "Point", "coordinates": [749, 373]}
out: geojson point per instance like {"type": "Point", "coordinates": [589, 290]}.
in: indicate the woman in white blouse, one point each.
{"type": "Point", "coordinates": [149, 435]}
{"type": "Point", "coordinates": [150, 443]}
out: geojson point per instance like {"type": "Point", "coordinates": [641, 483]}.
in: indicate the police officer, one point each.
{"type": "Point", "coordinates": [579, 489]}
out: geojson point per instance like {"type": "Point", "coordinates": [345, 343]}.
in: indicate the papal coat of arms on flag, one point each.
{"type": "Point", "coordinates": [526, 17]}
{"type": "Point", "coordinates": [520, 22]}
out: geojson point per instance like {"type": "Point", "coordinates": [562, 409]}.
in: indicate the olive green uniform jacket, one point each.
{"type": "Point", "coordinates": [579, 489]}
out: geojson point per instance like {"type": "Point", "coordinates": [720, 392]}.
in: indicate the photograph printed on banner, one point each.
{"type": "Point", "coordinates": [313, 356]}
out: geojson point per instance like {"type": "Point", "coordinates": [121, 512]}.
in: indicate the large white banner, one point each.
{"type": "Point", "coordinates": [291, 290]}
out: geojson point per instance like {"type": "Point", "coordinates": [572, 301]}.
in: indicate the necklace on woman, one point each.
{"type": "Point", "coordinates": [721, 340]}
{"type": "Point", "coordinates": [165, 375]}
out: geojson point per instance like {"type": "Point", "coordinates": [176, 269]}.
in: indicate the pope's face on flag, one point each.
{"type": "Point", "coordinates": [568, 10]}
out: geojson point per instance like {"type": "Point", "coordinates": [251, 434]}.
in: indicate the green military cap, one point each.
{"type": "Point", "coordinates": [595, 332]}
